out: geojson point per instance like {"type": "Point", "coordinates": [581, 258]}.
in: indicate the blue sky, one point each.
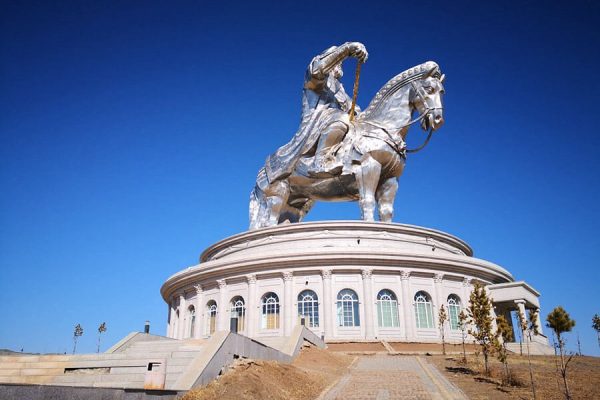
{"type": "Point", "coordinates": [131, 134]}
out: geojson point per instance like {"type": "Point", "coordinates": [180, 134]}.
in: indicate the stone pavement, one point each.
{"type": "Point", "coordinates": [383, 377]}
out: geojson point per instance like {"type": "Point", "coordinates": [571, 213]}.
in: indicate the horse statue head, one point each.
{"type": "Point", "coordinates": [417, 89]}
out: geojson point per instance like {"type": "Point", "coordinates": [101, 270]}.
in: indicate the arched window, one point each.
{"type": "Point", "coordinates": [192, 317]}
{"type": "Point", "coordinates": [211, 308]}
{"type": "Point", "coordinates": [238, 310]}
{"type": "Point", "coordinates": [453, 311]}
{"type": "Point", "coordinates": [423, 310]}
{"type": "Point", "coordinates": [270, 311]}
{"type": "Point", "coordinates": [347, 308]}
{"type": "Point", "coordinates": [308, 308]}
{"type": "Point", "coordinates": [387, 309]}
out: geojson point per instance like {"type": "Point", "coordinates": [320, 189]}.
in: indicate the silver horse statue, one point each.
{"type": "Point", "coordinates": [374, 148]}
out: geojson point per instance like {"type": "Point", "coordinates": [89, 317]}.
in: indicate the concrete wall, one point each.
{"type": "Point", "coordinates": [45, 392]}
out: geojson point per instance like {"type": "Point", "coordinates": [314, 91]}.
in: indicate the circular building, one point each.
{"type": "Point", "coordinates": [344, 280]}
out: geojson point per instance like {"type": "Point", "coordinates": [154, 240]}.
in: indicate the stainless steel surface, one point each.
{"type": "Point", "coordinates": [331, 158]}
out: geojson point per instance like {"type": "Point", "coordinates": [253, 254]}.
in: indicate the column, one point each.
{"type": "Point", "coordinates": [538, 321]}
{"type": "Point", "coordinates": [171, 316]}
{"type": "Point", "coordinates": [181, 322]}
{"type": "Point", "coordinates": [438, 280]}
{"type": "Point", "coordinates": [438, 287]}
{"type": "Point", "coordinates": [521, 309]}
{"type": "Point", "coordinates": [199, 329]}
{"type": "Point", "coordinates": [327, 307]}
{"type": "Point", "coordinates": [409, 320]}
{"type": "Point", "coordinates": [251, 308]}
{"type": "Point", "coordinates": [223, 314]}
{"type": "Point", "coordinates": [367, 277]}
{"type": "Point", "coordinates": [466, 292]}
{"type": "Point", "coordinates": [288, 281]}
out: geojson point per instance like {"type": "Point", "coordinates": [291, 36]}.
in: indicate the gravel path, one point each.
{"type": "Point", "coordinates": [383, 377]}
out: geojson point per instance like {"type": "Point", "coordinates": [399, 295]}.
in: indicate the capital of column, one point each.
{"type": "Point", "coordinates": [404, 275]}
{"type": "Point", "coordinates": [326, 273]}
{"type": "Point", "coordinates": [181, 294]}
{"type": "Point", "coordinates": [466, 282]}
{"type": "Point", "coordinates": [367, 273]}
{"type": "Point", "coordinates": [438, 278]}
{"type": "Point", "coordinates": [222, 283]}
{"type": "Point", "coordinates": [251, 279]}
{"type": "Point", "coordinates": [519, 301]}
{"type": "Point", "coordinates": [198, 288]}
{"type": "Point", "coordinates": [288, 276]}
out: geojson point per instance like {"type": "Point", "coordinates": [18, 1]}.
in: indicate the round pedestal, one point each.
{"type": "Point", "coordinates": [346, 279]}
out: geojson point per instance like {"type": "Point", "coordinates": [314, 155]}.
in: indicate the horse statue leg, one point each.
{"type": "Point", "coordinates": [367, 177]}
{"type": "Point", "coordinates": [385, 195]}
{"type": "Point", "coordinates": [266, 201]}
{"type": "Point", "coordinates": [295, 211]}
{"type": "Point", "coordinates": [276, 195]}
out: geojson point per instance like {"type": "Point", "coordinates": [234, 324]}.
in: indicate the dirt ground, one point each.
{"type": "Point", "coordinates": [314, 370]}
{"type": "Point", "coordinates": [356, 347]}
{"type": "Point", "coordinates": [430, 347]}
{"type": "Point", "coordinates": [583, 377]}
{"type": "Point", "coordinates": [310, 373]}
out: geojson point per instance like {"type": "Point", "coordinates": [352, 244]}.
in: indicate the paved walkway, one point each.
{"type": "Point", "coordinates": [383, 377]}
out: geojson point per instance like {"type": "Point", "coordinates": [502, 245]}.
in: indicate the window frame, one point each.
{"type": "Point", "coordinates": [309, 309]}
{"type": "Point", "coordinates": [387, 303]}
{"type": "Point", "coordinates": [348, 313]}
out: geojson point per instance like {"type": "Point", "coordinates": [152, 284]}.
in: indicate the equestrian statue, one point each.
{"type": "Point", "coordinates": [341, 153]}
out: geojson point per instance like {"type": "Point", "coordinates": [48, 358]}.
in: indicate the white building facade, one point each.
{"type": "Point", "coordinates": [344, 280]}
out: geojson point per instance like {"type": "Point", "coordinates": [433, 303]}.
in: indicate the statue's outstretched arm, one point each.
{"type": "Point", "coordinates": [348, 49]}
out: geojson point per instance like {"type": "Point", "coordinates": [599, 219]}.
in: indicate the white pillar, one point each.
{"type": "Point", "coordinates": [409, 320]}
{"type": "Point", "coordinates": [521, 309]}
{"type": "Point", "coordinates": [223, 308]}
{"type": "Point", "coordinates": [288, 280]}
{"type": "Point", "coordinates": [438, 280]}
{"type": "Point", "coordinates": [466, 292]}
{"type": "Point", "coordinates": [171, 321]}
{"type": "Point", "coordinates": [368, 301]}
{"type": "Point", "coordinates": [327, 308]}
{"type": "Point", "coordinates": [251, 308]}
{"type": "Point", "coordinates": [538, 321]}
{"type": "Point", "coordinates": [199, 328]}
{"type": "Point", "coordinates": [181, 323]}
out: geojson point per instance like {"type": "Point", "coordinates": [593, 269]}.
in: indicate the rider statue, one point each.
{"type": "Point", "coordinates": [325, 121]}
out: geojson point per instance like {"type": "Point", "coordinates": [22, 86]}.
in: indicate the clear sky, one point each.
{"type": "Point", "coordinates": [131, 134]}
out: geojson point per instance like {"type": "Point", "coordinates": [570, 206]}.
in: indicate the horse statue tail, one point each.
{"type": "Point", "coordinates": [256, 198]}
{"type": "Point", "coordinates": [258, 205]}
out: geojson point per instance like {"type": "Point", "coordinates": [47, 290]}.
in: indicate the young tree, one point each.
{"type": "Point", "coordinates": [101, 329]}
{"type": "Point", "coordinates": [530, 329]}
{"type": "Point", "coordinates": [462, 324]}
{"type": "Point", "coordinates": [480, 318]}
{"type": "Point", "coordinates": [76, 333]}
{"type": "Point", "coordinates": [522, 328]}
{"type": "Point", "coordinates": [442, 318]}
{"type": "Point", "coordinates": [596, 326]}
{"type": "Point", "coordinates": [504, 334]}
{"type": "Point", "coordinates": [560, 322]}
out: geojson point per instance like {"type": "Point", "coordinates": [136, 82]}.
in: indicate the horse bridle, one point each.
{"type": "Point", "coordinates": [420, 92]}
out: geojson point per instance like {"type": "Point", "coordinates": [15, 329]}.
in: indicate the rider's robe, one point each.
{"type": "Point", "coordinates": [324, 101]}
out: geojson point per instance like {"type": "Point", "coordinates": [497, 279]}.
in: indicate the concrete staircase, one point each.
{"type": "Point", "coordinates": [148, 362]}
{"type": "Point", "coordinates": [535, 349]}
{"type": "Point", "coordinates": [125, 368]}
